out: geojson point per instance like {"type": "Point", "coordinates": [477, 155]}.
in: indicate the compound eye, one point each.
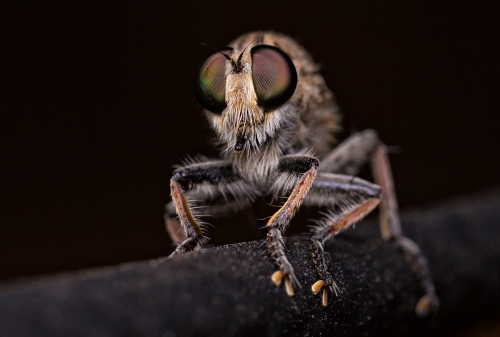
{"type": "Point", "coordinates": [274, 76]}
{"type": "Point", "coordinates": [210, 82]}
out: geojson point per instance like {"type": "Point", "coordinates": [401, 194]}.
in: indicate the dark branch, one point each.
{"type": "Point", "coordinates": [227, 291]}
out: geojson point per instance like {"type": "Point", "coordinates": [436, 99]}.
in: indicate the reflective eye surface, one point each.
{"type": "Point", "coordinates": [210, 82]}
{"type": "Point", "coordinates": [274, 76]}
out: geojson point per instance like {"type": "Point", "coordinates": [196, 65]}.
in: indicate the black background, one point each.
{"type": "Point", "coordinates": [96, 106]}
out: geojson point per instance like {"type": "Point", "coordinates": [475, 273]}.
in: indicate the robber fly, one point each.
{"type": "Point", "coordinates": [275, 118]}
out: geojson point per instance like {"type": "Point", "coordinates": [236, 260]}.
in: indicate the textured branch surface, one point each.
{"type": "Point", "coordinates": [227, 291]}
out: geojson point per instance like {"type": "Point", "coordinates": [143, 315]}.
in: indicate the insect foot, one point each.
{"type": "Point", "coordinates": [188, 245]}
{"type": "Point", "coordinates": [426, 305]}
{"type": "Point", "coordinates": [329, 287]}
{"type": "Point", "coordinates": [326, 283]}
{"type": "Point", "coordinates": [414, 256]}
{"type": "Point", "coordinates": [276, 248]}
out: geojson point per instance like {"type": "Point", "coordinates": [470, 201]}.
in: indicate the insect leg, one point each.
{"type": "Point", "coordinates": [390, 227]}
{"type": "Point", "coordinates": [350, 155]}
{"type": "Point", "coordinates": [204, 181]}
{"type": "Point", "coordinates": [350, 199]}
{"type": "Point", "coordinates": [298, 172]}
{"type": "Point", "coordinates": [219, 204]}
{"type": "Point", "coordinates": [348, 158]}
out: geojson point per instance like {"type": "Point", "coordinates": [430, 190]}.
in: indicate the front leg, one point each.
{"type": "Point", "coordinates": [207, 181]}
{"type": "Point", "coordinates": [187, 220]}
{"type": "Point", "coordinates": [290, 169]}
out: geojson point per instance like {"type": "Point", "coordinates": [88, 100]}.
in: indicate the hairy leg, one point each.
{"type": "Point", "coordinates": [354, 198]}
{"type": "Point", "coordinates": [296, 173]}
{"type": "Point", "coordinates": [196, 184]}
{"type": "Point", "coordinates": [347, 158]}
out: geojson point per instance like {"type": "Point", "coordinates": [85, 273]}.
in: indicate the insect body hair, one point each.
{"type": "Point", "coordinates": [254, 139]}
